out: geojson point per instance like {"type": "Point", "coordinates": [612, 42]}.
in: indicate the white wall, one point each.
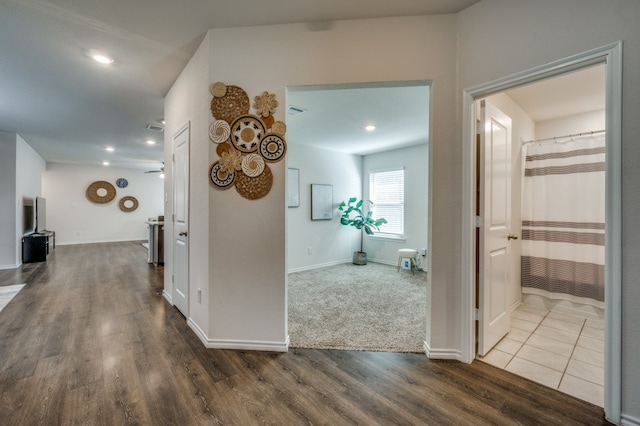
{"type": "Point", "coordinates": [188, 103]}
{"type": "Point", "coordinates": [525, 35]}
{"type": "Point", "coordinates": [574, 124]}
{"type": "Point", "coordinates": [77, 220]}
{"type": "Point", "coordinates": [330, 242]}
{"type": "Point", "coordinates": [415, 160]}
{"type": "Point", "coordinates": [8, 230]}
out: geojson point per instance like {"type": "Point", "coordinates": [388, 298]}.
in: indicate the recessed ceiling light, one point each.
{"type": "Point", "coordinates": [105, 163]}
{"type": "Point", "coordinates": [103, 59]}
{"type": "Point", "coordinates": [151, 142]}
{"type": "Point", "coordinates": [110, 149]}
{"type": "Point", "coordinates": [370, 128]}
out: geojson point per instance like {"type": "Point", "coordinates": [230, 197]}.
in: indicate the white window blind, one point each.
{"type": "Point", "coordinates": [386, 191]}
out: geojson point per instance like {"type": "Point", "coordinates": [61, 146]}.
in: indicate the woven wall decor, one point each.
{"type": "Point", "coordinates": [123, 203]}
{"type": "Point", "coordinates": [101, 192]}
{"type": "Point", "coordinates": [246, 141]}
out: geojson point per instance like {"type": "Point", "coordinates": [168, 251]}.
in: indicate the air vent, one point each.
{"type": "Point", "coordinates": [155, 127]}
{"type": "Point", "coordinates": [294, 110]}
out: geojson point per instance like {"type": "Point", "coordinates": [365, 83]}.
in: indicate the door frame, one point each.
{"type": "Point", "coordinates": [611, 56]}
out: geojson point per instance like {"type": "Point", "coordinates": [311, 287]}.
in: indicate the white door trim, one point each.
{"type": "Point", "coordinates": [611, 56]}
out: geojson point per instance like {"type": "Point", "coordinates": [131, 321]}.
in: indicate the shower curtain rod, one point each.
{"type": "Point", "coordinates": [593, 132]}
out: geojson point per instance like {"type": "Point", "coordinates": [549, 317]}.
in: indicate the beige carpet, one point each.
{"type": "Point", "coordinates": [371, 307]}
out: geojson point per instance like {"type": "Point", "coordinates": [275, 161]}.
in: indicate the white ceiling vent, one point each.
{"type": "Point", "coordinates": [155, 127]}
{"type": "Point", "coordinates": [294, 110]}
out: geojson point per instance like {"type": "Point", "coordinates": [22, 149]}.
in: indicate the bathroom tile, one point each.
{"type": "Point", "coordinates": [586, 371]}
{"type": "Point", "coordinates": [497, 358]}
{"type": "Point", "coordinates": [535, 372]}
{"type": "Point", "coordinates": [595, 323]}
{"type": "Point", "coordinates": [594, 333]}
{"type": "Point", "coordinates": [508, 345]}
{"type": "Point", "coordinates": [574, 319]}
{"type": "Point", "coordinates": [518, 335]}
{"type": "Point", "coordinates": [588, 356]}
{"type": "Point", "coordinates": [527, 316]}
{"type": "Point", "coordinates": [556, 334]}
{"type": "Point", "coordinates": [551, 345]}
{"type": "Point", "coordinates": [543, 357]}
{"type": "Point", "coordinates": [537, 311]}
{"type": "Point", "coordinates": [591, 343]}
{"type": "Point", "coordinates": [523, 325]}
{"type": "Point", "coordinates": [582, 389]}
{"type": "Point", "coordinates": [562, 325]}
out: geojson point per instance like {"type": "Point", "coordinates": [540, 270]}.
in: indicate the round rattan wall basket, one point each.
{"type": "Point", "coordinates": [132, 201]}
{"type": "Point", "coordinates": [101, 192]}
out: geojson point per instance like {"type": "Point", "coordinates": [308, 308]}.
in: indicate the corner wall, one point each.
{"type": "Point", "coordinates": [524, 35]}
{"type": "Point", "coordinates": [8, 196]}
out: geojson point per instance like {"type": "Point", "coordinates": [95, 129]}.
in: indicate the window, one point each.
{"type": "Point", "coordinates": [386, 191]}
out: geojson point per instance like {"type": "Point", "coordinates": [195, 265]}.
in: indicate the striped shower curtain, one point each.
{"type": "Point", "coordinates": [563, 217]}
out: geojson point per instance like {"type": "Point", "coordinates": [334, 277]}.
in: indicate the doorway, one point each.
{"type": "Point", "coordinates": [329, 144]}
{"type": "Point", "coordinates": [555, 299]}
{"type": "Point", "coordinates": [610, 57]}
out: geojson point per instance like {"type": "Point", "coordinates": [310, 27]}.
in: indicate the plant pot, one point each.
{"type": "Point", "coordinates": [359, 257]}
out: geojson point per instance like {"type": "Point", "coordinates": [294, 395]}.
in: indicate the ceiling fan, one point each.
{"type": "Point", "coordinates": [161, 171]}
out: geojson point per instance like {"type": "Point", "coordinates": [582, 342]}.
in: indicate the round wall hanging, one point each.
{"type": "Point", "coordinates": [101, 192]}
{"type": "Point", "coordinates": [273, 148]}
{"type": "Point", "coordinates": [233, 103]}
{"type": "Point", "coordinates": [128, 203]}
{"type": "Point", "coordinates": [246, 133]}
{"type": "Point", "coordinates": [219, 178]}
{"type": "Point", "coordinates": [122, 183]}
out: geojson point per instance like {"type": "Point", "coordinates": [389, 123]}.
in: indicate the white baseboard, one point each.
{"type": "Point", "coordinates": [442, 353]}
{"type": "Point", "coordinates": [319, 265]}
{"type": "Point", "coordinates": [167, 297]}
{"type": "Point", "coordinates": [251, 345]}
{"type": "Point", "coordinates": [626, 420]}
{"type": "Point", "coordinates": [119, 240]}
{"type": "Point", "coordinates": [10, 266]}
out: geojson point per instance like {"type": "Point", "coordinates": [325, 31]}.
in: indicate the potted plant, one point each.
{"type": "Point", "coordinates": [352, 215]}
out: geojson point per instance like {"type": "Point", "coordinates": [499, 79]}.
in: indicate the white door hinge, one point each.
{"type": "Point", "coordinates": [173, 217]}
{"type": "Point", "coordinates": [478, 221]}
{"type": "Point", "coordinates": [173, 279]}
{"type": "Point", "coordinates": [476, 314]}
{"type": "Point", "coordinates": [478, 128]}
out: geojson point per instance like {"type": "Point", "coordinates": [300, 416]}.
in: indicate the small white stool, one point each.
{"type": "Point", "coordinates": [407, 254]}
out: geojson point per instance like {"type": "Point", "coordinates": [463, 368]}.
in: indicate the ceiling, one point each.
{"type": "Point", "coordinates": [70, 108]}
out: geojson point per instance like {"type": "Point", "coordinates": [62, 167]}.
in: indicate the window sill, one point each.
{"type": "Point", "coordinates": [388, 237]}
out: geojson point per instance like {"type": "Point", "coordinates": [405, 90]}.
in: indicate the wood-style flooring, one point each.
{"type": "Point", "coordinates": [91, 341]}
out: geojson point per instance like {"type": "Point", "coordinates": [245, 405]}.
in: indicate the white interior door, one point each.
{"type": "Point", "coordinates": [181, 220]}
{"type": "Point", "coordinates": [495, 226]}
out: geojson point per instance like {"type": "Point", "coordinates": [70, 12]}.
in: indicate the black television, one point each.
{"type": "Point", "coordinates": [28, 216]}
{"type": "Point", "coordinates": [41, 214]}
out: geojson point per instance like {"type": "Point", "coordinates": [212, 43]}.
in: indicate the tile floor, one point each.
{"type": "Point", "coordinates": [559, 350]}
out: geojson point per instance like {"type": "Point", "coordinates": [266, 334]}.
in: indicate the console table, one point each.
{"type": "Point", "coordinates": [37, 246]}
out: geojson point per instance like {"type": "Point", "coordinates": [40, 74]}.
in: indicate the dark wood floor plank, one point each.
{"type": "Point", "coordinates": [90, 340]}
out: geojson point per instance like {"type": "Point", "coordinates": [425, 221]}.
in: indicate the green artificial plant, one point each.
{"type": "Point", "coordinates": [352, 215]}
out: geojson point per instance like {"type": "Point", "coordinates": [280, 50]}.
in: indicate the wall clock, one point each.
{"type": "Point", "coordinates": [122, 183]}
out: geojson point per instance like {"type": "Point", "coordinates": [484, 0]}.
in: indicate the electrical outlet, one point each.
{"type": "Point", "coordinates": [423, 251]}
{"type": "Point", "coordinates": [406, 264]}
{"type": "Point", "coordinates": [310, 251]}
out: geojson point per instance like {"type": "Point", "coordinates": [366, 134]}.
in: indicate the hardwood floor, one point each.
{"type": "Point", "coordinates": [90, 340]}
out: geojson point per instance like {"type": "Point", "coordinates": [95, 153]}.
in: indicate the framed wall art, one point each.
{"type": "Point", "coordinates": [293, 188]}
{"type": "Point", "coordinates": [321, 202]}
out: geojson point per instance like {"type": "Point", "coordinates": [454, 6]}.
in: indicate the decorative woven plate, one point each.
{"type": "Point", "coordinates": [123, 203]}
{"type": "Point", "coordinates": [220, 179]}
{"type": "Point", "coordinates": [222, 148]}
{"type": "Point", "coordinates": [252, 165]}
{"type": "Point", "coordinates": [218, 89]}
{"type": "Point", "coordinates": [268, 121]}
{"type": "Point", "coordinates": [246, 133]}
{"type": "Point", "coordinates": [233, 104]}
{"type": "Point", "coordinates": [95, 194]}
{"type": "Point", "coordinates": [273, 148]}
{"type": "Point", "coordinates": [219, 131]}
{"type": "Point", "coordinates": [279, 128]}
{"type": "Point", "coordinates": [253, 188]}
